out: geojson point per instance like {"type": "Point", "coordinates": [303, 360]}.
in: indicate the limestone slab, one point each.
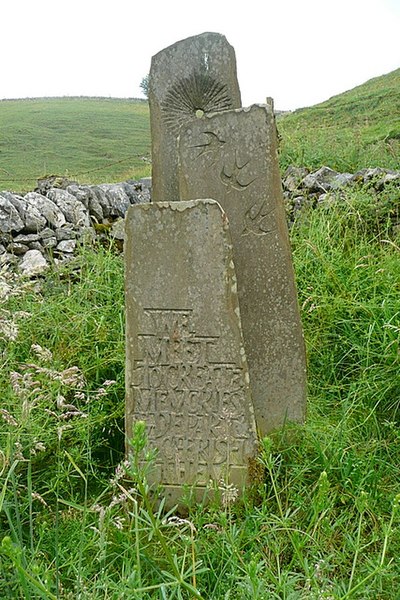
{"type": "Point", "coordinates": [186, 369]}
{"type": "Point", "coordinates": [232, 157]}
{"type": "Point", "coordinates": [192, 77]}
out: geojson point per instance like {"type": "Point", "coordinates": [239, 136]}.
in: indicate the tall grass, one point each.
{"type": "Point", "coordinates": [76, 521]}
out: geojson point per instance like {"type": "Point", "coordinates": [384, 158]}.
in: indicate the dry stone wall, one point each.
{"type": "Point", "coordinates": [47, 224]}
{"type": "Point", "coordinates": [303, 188]}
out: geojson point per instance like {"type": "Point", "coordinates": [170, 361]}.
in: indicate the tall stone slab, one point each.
{"type": "Point", "coordinates": [192, 77]}
{"type": "Point", "coordinates": [232, 157]}
{"type": "Point", "coordinates": [186, 369]}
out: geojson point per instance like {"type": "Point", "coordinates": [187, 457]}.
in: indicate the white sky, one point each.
{"type": "Point", "coordinates": [300, 52]}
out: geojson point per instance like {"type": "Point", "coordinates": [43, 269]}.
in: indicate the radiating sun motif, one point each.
{"type": "Point", "coordinates": [191, 97]}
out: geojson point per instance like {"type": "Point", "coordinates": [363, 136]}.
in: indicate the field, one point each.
{"type": "Point", "coordinates": [321, 522]}
{"type": "Point", "coordinates": [359, 128]}
{"type": "Point", "coordinates": [97, 140]}
{"type": "Point", "coordinates": [92, 140]}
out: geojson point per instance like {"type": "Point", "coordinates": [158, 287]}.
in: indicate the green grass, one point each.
{"type": "Point", "coordinates": [95, 140]}
{"type": "Point", "coordinates": [89, 139]}
{"type": "Point", "coordinates": [359, 128]}
{"type": "Point", "coordinates": [322, 522]}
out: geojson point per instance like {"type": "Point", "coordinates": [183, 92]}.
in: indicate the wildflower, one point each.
{"type": "Point", "coordinates": [60, 430]}
{"type": "Point", "coordinates": [38, 447]}
{"type": "Point", "coordinates": [72, 377]}
{"type": "Point", "coordinates": [118, 522]}
{"type": "Point", "coordinates": [123, 497]}
{"type": "Point", "coordinates": [8, 330]}
{"type": "Point", "coordinates": [62, 404]}
{"type": "Point", "coordinates": [5, 291]}
{"type": "Point", "coordinates": [70, 414]}
{"type": "Point", "coordinates": [36, 496]}
{"type": "Point", "coordinates": [229, 493]}
{"type": "Point", "coordinates": [102, 513]}
{"type": "Point", "coordinates": [212, 526]}
{"type": "Point", "coordinates": [8, 418]}
{"type": "Point", "coordinates": [18, 455]}
{"type": "Point", "coordinates": [178, 522]}
{"type": "Point", "coordinates": [23, 384]}
{"type": "Point", "coordinates": [120, 499]}
{"type": "Point", "coordinates": [120, 471]}
{"type": "Point", "coordinates": [42, 353]}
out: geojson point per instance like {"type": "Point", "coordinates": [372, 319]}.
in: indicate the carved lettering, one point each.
{"type": "Point", "coordinates": [181, 391]}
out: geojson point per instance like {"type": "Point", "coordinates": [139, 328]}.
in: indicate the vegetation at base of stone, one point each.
{"type": "Point", "coordinates": [91, 140]}
{"type": "Point", "coordinates": [323, 521]}
{"type": "Point", "coordinates": [357, 129]}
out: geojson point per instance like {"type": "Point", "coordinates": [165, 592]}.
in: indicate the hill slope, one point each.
{"type": "Point", "coordinates": [102, 139]}
{"type": "Point", "coordinates": [359, 128]}
{"type": "Point", "coordinates": [92, 139]}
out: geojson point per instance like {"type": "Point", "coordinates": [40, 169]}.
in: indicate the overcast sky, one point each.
{"type": "Point", "coordinates": [300, 52]}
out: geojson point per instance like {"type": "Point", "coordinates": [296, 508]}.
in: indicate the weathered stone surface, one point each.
{"type": "Point", "coordinates": [74, 211]}
{"type": "Point", "coordinates": [26, 238]}
{"type": "Point", "coordinates": [99, 199]}
{"type": "Point", "coordinates": [116, 197]}
{"type": "Point", "coordinates": [17, 248]}
{"type": "Point", "coordinates": [66, 246]}
{"type": "Point", "coordinates": [53, 181]}
{"type": "Point", "coordinates": [87, 196]}
{"type": "Point", "coordinates": [48, 209]}
{"type": "Point", "coordinates": [232, 157]}
{"type": "Point", "coordinates": [9, 216]}
{"type": "Point", "coordinates": [321, 180]}
{"type": "Point", "coordinates": [186, 371]}
{"type": "Point", "coordinates": [31, 217]}
{"type": "Point", "coordinates": [33, 263]}
{"type": "Point", "coordinates": [138, 192]}
{"type": "Point", "coordinates": [49, 242]}
{"type": "Point", "coordinates": [47, 233]}
{"type": "Point", "coordinates": [293, 177]}
{"type": "Point", "coordinates": [193, 77]}
{"type": "Point", "coordinates": [65, 233]}
{"type": "Point", "coordinates": [118, 229]}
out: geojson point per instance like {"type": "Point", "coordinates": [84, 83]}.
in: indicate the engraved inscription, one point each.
{"type": "Point", "coordinates": [191, 400]}
{"type": "Point", "coordinates": [259, 219]}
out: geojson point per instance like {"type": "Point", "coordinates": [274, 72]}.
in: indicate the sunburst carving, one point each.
{"type": "Point", "coordinates": [191, 97]}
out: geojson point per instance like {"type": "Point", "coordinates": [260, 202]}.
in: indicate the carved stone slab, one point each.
{"type": "Point", "coordinates": [186, 370]}
{"type": "Point", "coordinates": [192, 77]}
{"type": "Point", "coordinates": [232, 157]}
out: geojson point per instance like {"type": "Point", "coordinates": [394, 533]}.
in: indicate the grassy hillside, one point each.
{"type": "Point", "coordinates": [91, 139]}
{"type": "Point", "coordinates": [99, 139]}
{"type": "Point", "coordinates": [359, 128]}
